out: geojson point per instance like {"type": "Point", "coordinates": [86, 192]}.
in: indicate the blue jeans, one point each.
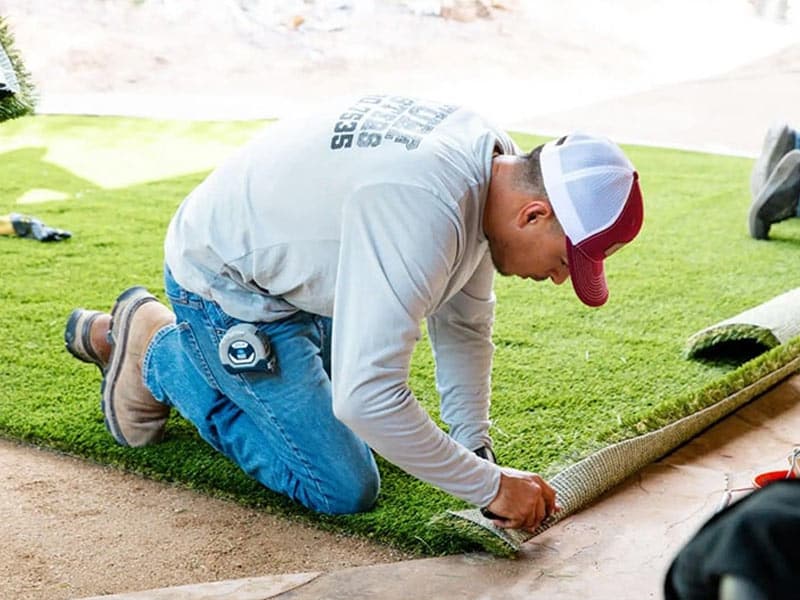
{"type": "Point", "coordinates": [280, 429]}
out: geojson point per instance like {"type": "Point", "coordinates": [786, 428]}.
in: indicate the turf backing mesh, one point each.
{"type": "Point", "coordinates": [582, 483]}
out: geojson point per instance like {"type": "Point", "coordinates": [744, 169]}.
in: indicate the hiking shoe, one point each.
{"type": "Point", "coordinates": [78, 337]}
{"type": "Point", "coordinates": [780, 139]}
{"type": "Point", "coordinates": [132, 415]}
{"type": "Point", "coordinates": [778, 199]}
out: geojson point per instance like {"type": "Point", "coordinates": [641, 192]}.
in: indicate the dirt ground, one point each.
{"type": "Point", "coordinates": [72, 529]}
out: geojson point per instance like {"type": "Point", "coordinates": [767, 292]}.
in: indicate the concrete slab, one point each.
{"type": "Point", "coordinates": [621, 546]}
{"type": "Point", "coordinates": [250, 588]}
{"type": "Point", "coordinates": [728, 113]}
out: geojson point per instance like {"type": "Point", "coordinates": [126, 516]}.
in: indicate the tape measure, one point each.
{"type": "Point", "coordinates": [244, 348]}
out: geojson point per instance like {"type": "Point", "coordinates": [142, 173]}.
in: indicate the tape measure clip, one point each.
{"type": "Point", "coordinates": [246, 349]}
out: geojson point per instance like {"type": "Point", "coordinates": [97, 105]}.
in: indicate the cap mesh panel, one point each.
{"type": "Point", "coordinates": [612, 187]}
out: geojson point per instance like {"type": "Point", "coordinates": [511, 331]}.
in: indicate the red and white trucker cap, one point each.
{"type": "Point", "coordinates": [594, 191]}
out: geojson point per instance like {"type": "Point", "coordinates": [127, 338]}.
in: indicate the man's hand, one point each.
{"type": "Point", "coordinates": [524, 500]}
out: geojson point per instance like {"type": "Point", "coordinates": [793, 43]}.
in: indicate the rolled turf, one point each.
{"type": "Point", "coordinates": [567, 380]}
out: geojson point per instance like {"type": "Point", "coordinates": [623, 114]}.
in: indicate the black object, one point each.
{"type": "Point", "coordinates": [245, 348]}
{"type": "Point", "coordinates": [30, 227]}
{"type": "Point", "coordinates": [490, 515]}
{"type": "Point", "coordinates": [749, 550]}
{"type": "Point", "coordinates": [486, 453]}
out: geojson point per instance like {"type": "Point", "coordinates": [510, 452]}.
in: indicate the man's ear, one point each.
{"type": "Point", "coordinates": [533, 212]}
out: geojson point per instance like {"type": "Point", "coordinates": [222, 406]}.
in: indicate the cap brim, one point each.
{"type": "Point", "coordinates": [587, 276]}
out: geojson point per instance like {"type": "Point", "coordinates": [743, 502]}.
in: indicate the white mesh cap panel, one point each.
{"type": "Point", "coordinates": [588, 179]}
{"type": "Point", "coordinates": [588, 187]}
{"type": "Point", "coordinates": [557, 192]}
{"type": "Point", "coordinates": [582, 151]}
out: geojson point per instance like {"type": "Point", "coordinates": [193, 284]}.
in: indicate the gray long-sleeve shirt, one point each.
{"type": "Point", "coordinates": [370, 214]}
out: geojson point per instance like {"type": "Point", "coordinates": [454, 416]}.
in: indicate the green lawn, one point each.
{"type": "Point", "coordinates": [567, 379]}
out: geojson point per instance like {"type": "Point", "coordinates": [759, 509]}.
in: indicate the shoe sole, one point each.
{"type": "Point", "coordinates": [126, 305]}
{"type": "Point", "coordinates": [77, 336]}
{"type": "Point", "coordinates": [779, 141]}
{"type": "Point", "coordinates": [778, 199]}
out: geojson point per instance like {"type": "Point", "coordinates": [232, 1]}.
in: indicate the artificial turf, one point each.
{"type": "Point", "coordinates": [567, 379]}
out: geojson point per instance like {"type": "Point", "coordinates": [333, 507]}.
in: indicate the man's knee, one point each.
{"type": "Point", "coordinates": [353, 492]}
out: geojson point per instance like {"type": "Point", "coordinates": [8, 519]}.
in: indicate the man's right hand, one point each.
{"type": "Point", "coordinates": [524, 500]}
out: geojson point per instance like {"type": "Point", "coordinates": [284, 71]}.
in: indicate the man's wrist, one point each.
{"type": "Point", "coordinates": [486, 453]}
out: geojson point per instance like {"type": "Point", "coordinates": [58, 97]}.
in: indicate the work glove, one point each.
{"type": "Point", "coordinates": [32, 228]}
